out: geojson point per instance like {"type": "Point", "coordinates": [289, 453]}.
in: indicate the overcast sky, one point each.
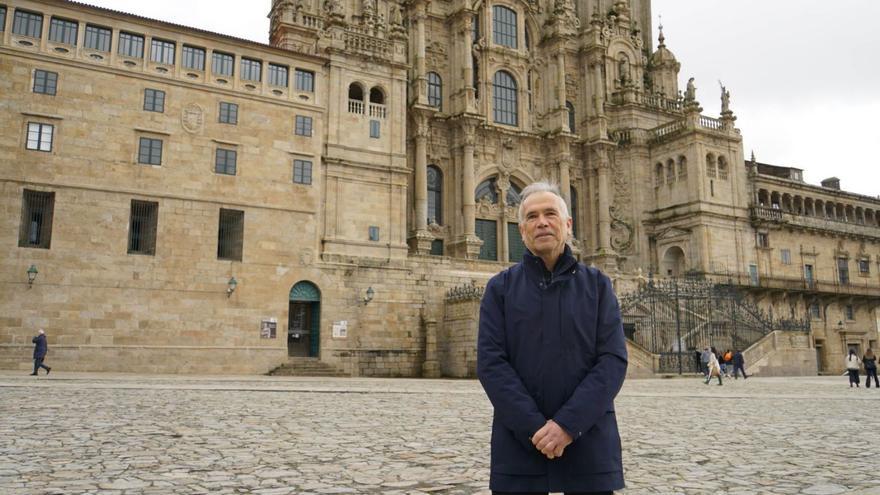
{"type": "Point", "coordinates": [803, 74]}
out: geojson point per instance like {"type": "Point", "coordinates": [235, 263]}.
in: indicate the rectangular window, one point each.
{"type": "Point", "coordinates": [302, 172]}
{"type": "Point", "coordinates": [26, 23]}
{"type": "Point", "coordinates": [2, 18]}
{"type": "Point", "coordinates": [763, 240]}
{"type": "Point", "coordinates": [150, 151]}
{"type": "Point", "coordinates": [808, 276]}
{"type": "Point", "coordinates": [374, 129]}
{"type": "Point", "coordinates": [193, 57]}
{"type": "Point", "coordinates": [437, 247]}
{"type": "Point", "coordinates": [97, 38]}
{"type": "Point", "coordinates": [37, 209]}
{"type": "Point", "coordinates": [45, 82]}
{"type": "Point", "coordinates": [224, 161]}
{"type": "Point", "coordinates": [303, 126]}
{"type": "Point", "coordinates": [63, 31]}
{"type": "Point", "coordinates": [305, 80]}
{"type": "Point", "coordinates": [131, 45]}
{"type": "Point", "coordinates": [154, 100]}
{"type": "Point", "coordinates": [228, 113]}
{"type": "Point", "coordinates": [40, 136]}
{"type": "Point", "coordinates": [162, 51]}
{"type": "Point", "coordinates": [487, 231]}
{"type": "Point", "coordinates": [849, 312]}
{"type": "Point", "coordinates": [230, 235]}
{"type": "Point", "coordinates": [222, 64]}
{"type": "Point", "coordinates": [843, 270]}
{"type": "Point", "coordinates": [504, 26]}
{"type": "Point", "coordinates": [250, 69]}
{"type": "Point", "coordinates": [786, 256]}
{"type": "Point", "coordinates": [277, 75]}
{"type": "Point", "coordinates": [373, 232]}
{"type": "Point", "coordinates": [815, 311]}
{"type": "Point", "coordinates": [864, 267]}
{"type": "Point", "coordinates": [753, 275]}
{"type": "Point", "coordinates": [142, 227]}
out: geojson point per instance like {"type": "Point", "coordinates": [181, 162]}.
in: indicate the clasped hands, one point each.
{"type": "Point", "coordinates": [551, 439]}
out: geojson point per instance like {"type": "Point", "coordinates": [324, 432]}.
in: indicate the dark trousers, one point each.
{"type": "Point", "coordinates": [545, 493]}
{"type": "Point", "coordinates": [737, 369]}
{"type": "Point", "coordinates": [869, 372]}
{"type": "Point", "coordinates": [853, 377]}
{"type": "Point", "coordinates": [38, 363]}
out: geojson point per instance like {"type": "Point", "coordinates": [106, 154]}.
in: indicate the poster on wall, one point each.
{"type": "Point", "coordinates": [340, 329]}
{"type": "Point", "coordinates": [267, 328]}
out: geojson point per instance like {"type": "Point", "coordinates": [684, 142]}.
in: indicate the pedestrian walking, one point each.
{"type": "Point", "coordinates": [704, 361]}
{"type": "Point", "coordinates": [41, 347]}
{"type": "Point", "coordinates": [714, 369]}
{"type": "Point", "coordinates": [551, 356]}
{"type": "Point", "coordinates": [852, 367]}
{"type": "Point", "coordinates": [727, 363]}
{"type": "Point", "coordinates": [739, 365]}
{"type": "Point", "coordinates": [870, 362]}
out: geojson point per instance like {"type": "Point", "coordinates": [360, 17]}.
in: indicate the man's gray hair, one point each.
{"type": "Point", "coordinates": [537, 187]}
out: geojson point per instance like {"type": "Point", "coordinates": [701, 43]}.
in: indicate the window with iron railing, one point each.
{"type": "Point", "coordinates": [142, 227]}
{"type": "Point", "coordinates": [230, 235]}
{"type": "Point", "coordinates": [37, 210]}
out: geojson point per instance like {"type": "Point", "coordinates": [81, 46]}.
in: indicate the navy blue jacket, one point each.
{"type": "Point", "coordinates": [552, 350]}
{"type": "Point", "coordinates": [40, 346]}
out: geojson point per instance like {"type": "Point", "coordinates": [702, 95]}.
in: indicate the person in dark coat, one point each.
{"type": "Point", "coordinates": [41, 347]}
{"type": "Point", "coordinates": [870, 362]}
{"type": "Point", "coordinates": [551, 356]}
{"type": "Point", "coordinates": [739, 364]}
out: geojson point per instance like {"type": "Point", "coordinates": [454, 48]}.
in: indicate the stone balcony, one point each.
{"type": "Point", "coordinates": [761, 215]}
{"type": "Point", "coordinates": [860, 287]}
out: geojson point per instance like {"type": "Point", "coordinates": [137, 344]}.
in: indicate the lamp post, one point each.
{"type": "Point", "coordinates": [31, 275]}
{"type": "Point", "coordinates": [369, 296]}
{"type": "Point", "coordinates": [231, 285]}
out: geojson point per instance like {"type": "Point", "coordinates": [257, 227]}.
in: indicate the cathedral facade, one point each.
{"type": "Point", "coordinates": [179, 200]}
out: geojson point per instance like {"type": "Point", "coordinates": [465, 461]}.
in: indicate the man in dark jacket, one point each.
{"type": "Point", "coordinates": [551, 357]}
{"type": "Point", "coordinates": [40, 350]}
{"type": "Point", "coordinates": [739, 364]}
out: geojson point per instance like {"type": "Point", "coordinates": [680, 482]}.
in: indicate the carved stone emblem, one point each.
{"type": "Point", "coordinates": [192, 118]}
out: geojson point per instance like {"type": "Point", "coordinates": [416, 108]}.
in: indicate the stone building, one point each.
{"type": "Point", "coordinates": [179, 200]}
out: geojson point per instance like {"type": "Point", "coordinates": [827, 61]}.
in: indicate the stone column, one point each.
{"type": "Point", "coordinates": [468, 203]}
{"type": "Point", "coordinates": [468, 64]}
{"type": "Point", "coordinates": [565, 182]}
{"type": "Point", "coordinates": [431, 367]}
{"type": "Point", "coordinates": [604, 204]}
{"type": "Point", "coordinates": [419, 17]}
{"type": "Point", "coordinates": [421, 179]}
{"type": "Point", "coordinates": [560, 88]}
{"type": "Point", "coordinates": [503, 184]}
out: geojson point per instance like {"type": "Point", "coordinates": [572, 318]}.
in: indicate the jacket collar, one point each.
{"type": "Point", "coordinates": [535, 265]}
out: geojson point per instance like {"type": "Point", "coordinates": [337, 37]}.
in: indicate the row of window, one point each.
{"type": "Point", "coordinates": [40, 137]}
{"type": "Point", "coordinates": [864, 264]}
{"type": "Point", "coordinates": [99, 38]}
{"type": "Point", "coordinates": [815, 311]}
{"type": "Point", "coordinates": [38, 208]}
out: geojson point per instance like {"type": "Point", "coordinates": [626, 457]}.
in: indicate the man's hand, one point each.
{"type": "Point", "coordinates": [551, 440]}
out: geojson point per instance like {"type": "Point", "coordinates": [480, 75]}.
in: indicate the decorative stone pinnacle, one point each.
{"type": "Point", "coordinates": [662, 38]}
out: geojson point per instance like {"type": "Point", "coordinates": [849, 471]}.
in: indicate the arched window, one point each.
{"type": "Point", "coordinates": [504, 26]}
{"type": "Point", "coordinates": [476, 78]}
{"type": "Point", "coordinates": [514, 195]}
{"type": "Point", "coordinates": [710, 166]}
{"type": "Point", "coordinates": [571, 117]}
{"type": "Point", "coordinates": [573, 213]}
{"type": "Point", "coordinates": [722, 168]}
{"type": "Point", "coordinates": [658, 174]}
{"type": "Point", "coordinates": [355, 92]}
{"type": "Point", "coordinates": [435, 195]}
{"type": "Point", "coordinates": [529, 88]}
{"type": "Point", "coordinates": [505, 98]}
{"type": "Point", "coordinates": [486, 189]}
{"type": "Point", "coordinates": [670, 171]}
{"type": "Point", "coordinates": [377, 96]}
{"type": "Point", "coordinates": [435, 90]}
{"type": "Point", "coordinates": [682, 168]}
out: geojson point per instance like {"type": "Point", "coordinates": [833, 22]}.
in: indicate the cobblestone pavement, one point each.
{"type": "Point", "coordinates": [120, 434]}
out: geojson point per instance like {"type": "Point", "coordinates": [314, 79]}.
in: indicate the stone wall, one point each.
{"type": "Point", "coordinates": [457, 345]}
{"type": "Point", "coordinates": [782, 354]}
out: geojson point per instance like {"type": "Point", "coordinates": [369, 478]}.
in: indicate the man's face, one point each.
{"type": "Point", "coordinates": [543, 230]}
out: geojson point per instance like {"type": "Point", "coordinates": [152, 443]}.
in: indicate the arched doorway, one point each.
{"type": "Point", "coordinates": [304, 320]}
{"type": "Point", "coordinates": [673, 262]}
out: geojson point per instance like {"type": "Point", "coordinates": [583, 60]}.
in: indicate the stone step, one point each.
{"type": "Point", "coordinates": [298, 366]}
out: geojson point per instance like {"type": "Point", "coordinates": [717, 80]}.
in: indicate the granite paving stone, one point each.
{"type": "Point", "coordinates": [121, 433]}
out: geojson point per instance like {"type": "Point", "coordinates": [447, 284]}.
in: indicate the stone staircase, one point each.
{"type": "Point", "coordinates": [307, 366]}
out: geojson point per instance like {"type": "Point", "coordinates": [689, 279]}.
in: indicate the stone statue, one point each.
{"type": "Point", "coordinates": [623, 69]}
{"type": "Point", "coordinates": [725, 100]}
{"type": "Point", "coordinates": [690, 93]}
{"type": "Point", "coordinates": [334, 8]}
{"type": "Point", "coordinates": [396, 17]}
{"type": "Point", "coordinates": [369, 7]}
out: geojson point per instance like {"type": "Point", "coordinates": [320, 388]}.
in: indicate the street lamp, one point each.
{"type": "Point", "coordinates": [31, 275]}
{"type": "Point", "coordinates": [231, 285]}
{"type": "Point", "coordinates": [369, 296]}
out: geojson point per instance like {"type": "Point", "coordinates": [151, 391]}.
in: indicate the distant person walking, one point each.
{"type": "Point", "coordinates": [870, 362]}
{"type": "Point", "coordinates": [40, 350]}
{"type": "Point", "coordinates": [704, 361]}
{"type": "Point", "coordinates": [852, 367]}
{"type": "Point", "coordinates": [714, 369]}
{"type": "Point", "coordinates": [739, 363]}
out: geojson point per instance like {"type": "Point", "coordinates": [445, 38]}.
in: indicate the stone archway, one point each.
{"type": "Point", "coordinates": [673, 264]}
{"type": "Point", "coordinates": [304, 320]}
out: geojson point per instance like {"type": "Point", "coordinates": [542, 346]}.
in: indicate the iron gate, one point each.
{"type": "Point", "coordinates": [676, 318]}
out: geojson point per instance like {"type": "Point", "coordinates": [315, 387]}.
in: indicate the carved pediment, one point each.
{"type": "Point", "coordinates": [672, 233]}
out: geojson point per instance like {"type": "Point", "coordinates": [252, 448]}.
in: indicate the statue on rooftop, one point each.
{"type": "Point", "coordinates": [690, 93]}
{"type": "Point", "coordinates": [725, 100]}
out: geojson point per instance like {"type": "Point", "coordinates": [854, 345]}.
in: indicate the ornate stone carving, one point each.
{"type": "Point", "coordinates": [621, 232]}
{"type": "Point", "coordinates": [192, 118]}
